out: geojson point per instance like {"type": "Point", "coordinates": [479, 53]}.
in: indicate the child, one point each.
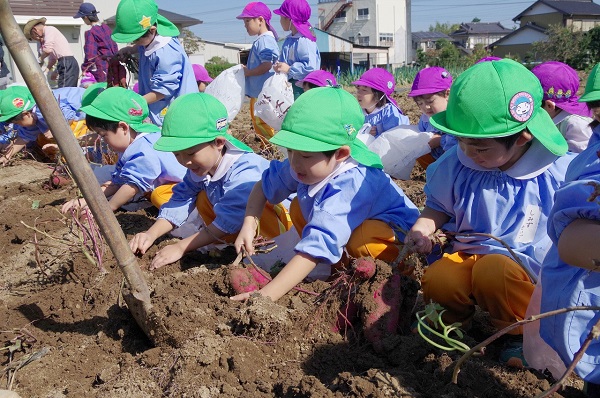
{"type": "Point", "coordinates": [336, 178]}
{"type": "Point", "coordinates": [165, 72]}
{"type": "Point", "coordinates": [17, 106]}
{"type": "Point", "coordinates": [373, 91]}
{"type": "Point", "coordinates": [257, 17]}
{"type": "Point", "coordinates": [117, 115]}
{"type": "Point", "coordinates": [560, 83]}
{"type": "Point", "coordinates": [299, 53]}
{"type": "Point", "coordinates": [500, 180]}
{"type": "Point", "coordinates": [570, 274]}
{"type": "Point", "coordinates": [317, 78]}
{"type": "Point", "coordinates": [98, 44]}
{"type": "Point", "coordinates": [430, 90]}
{"type": "Point", "coordinates": [202, 77]}
{"type": "Point", "coordinates": [221, 174]}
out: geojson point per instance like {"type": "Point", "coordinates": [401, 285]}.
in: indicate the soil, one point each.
{"type": "Point", "coordinates": [55, 303]}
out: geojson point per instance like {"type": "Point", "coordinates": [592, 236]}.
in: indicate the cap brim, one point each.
{"type": "Point", "coordinates": [297, 142]}
{"type": "Point", "coordinates": [126, 37]}
{"type": "Point", "coordinates": [426, 91]}
{"type": "Point", "coordinates": [138, 127]}
{"type": "Point", "coordinates": [576, 108]}
{"type": "Point", "coordinates": [174, 144]}
{"type": "Point", "coordinates": [589, 97]}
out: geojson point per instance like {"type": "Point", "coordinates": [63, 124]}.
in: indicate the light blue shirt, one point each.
{"type": "Point", "coordinates": [447, 141]}
{"type": "Point", "coordinates": [301, 54]}
{"type": "Point", "coordinates": [228, 195]}
{"type": "Point", "coordinates": [564, 285]}
{"type": "Point", "coordinates": [167, 71]}
{"type": "Point", "coordinates": [146, 168]}
{"type": "Point", "coordinates": [386, 118]}
{"type": "Point", "coordinates": [512, 205]}
{"type": "Point", "coordinates": [264, 49]}
{"type": "Point", "coordinates": [337, 209]}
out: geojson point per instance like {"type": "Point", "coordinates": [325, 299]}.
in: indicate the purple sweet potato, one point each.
{"type": "Point", "coordinates": [241, 280]}
{"type": "Point", "coordinates": [259, 275]}
{"type": "Point", "coordinates": [364, 268]}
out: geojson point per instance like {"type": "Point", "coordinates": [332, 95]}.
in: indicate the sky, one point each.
{"type": "Point", "coordinates": [219, 23]}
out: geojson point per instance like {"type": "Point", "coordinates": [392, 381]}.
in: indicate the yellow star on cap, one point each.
{"type": "Point", "coordinates": [145, 22]}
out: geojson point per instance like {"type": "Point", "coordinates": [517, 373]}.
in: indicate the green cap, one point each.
{"type": "Point", "coordinates": [135, 17]}
{"type": "Point", "coordinates": [498, 99]}
{"type": "Point", "coordinates": [14, 101]}
{"type": "Point", "coordinates": [325, 119]}
{"type": "Point", "coordinates": [118, 104]}
{"type": "Point", "coordinates": [194, 119]}
{"type": "Point", "coordinates": [91, 92]}
{"type": "Point", "coordinates": [592, 87]}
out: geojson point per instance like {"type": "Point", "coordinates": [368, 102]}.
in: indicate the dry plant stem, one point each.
{"type": "Point", "coordinates": [481, 346]}
{"type": "Point", "coordinates": [594, 334]}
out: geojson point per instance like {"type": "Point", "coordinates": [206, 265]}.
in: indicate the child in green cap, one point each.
{"type": "Point", "coordinates": [117, 115]}
{"type": "Point", "coordinates": [344, 199]}
{"type": "Point", "coordinates": [221, 173]}
{"type": "Point", "coordinates": [165, 72]}
{"type": "Point", "coordinates": [499, 181]}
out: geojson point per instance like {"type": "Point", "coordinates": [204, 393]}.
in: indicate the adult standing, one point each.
{"type": "Point", "coordinates": [5, 76]}
{"type": "Point", "coordinates": [98, 45]}
{"type": "Point", "coordinates": [54, 46]}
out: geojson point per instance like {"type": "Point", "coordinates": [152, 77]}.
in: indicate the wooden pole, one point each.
{"type": "Point", "coordinates": [138, 293]}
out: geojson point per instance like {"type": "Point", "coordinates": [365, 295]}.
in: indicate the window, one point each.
{"type": "Point", "coordinates": [386, 39]}
{"type": "Point", "coordinates": [341, 17]}
{"type": "Point", "coordinates": [363, 13]}
{"type": "Point", "coordinates": [363, 40]}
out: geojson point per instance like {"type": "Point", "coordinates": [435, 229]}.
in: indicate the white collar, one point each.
{"type": "Point", "coordinates": [534, 162]}
{"type": "Point", "coordinates": [339, 169]}
{"type": "Point", "coordinates": [158, 43]}
{"type": "Point", "coordinates": [562, 115]}
{"type": "Point", "coordinates": [231, 156]}
{"type": "Point", "coordinates": [268, 33]}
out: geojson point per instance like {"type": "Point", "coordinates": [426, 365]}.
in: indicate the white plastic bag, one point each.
{"type": "Point", "coordinates": [229, 87]}
{"type": "Point", "coordinates": [538, 354]}
{"type": "Point", "coordinates": [274, 100]}
{"type": "Point", "coordinates": [398, 148]}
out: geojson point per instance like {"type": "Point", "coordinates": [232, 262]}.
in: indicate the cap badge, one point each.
{"type": "Point", "coordinates": [390, 84]}
{"type": "Point", "coordinates": [221, 123]}
{"type": "Point", "coordinates": [145, 22]}
{"type": "Point", "coordinates": [521, 106]}
{"type": "Point", "coordinates": [349, 129]}
{"type": "Point", "coordinates": [137, 111]}
{"type": "Point", "coordinates": [18, 102]}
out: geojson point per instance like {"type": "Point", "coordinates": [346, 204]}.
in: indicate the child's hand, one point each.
{"type": "Point", "coordinates": [435, 141]}
{"type": "Point", "coordinates": [72, 205]}
{"type": "Point", "coordinates": [141, 242]}
{"type": "Point", "coordinates": [281, 67]}
{"type": "Point", "coordinates": [418, 241]}
{"type": "Point", "coordinates": [167, 255]}
{"type": "Point", "coordinates": [4, 160]}
{"type": "Point", "coordinates": [242, 296]}
{"type": "Point", "coordinates": [246, 235]}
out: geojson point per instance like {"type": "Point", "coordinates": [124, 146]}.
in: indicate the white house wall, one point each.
{"type": "Point", "coordinates": [539, 9]}
{"type": "Point", "coordinates": [526, 36]}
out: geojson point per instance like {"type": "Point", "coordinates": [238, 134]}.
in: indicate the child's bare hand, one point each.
{"type": "Point", "coordinates": [418, 242]}
{"type": "Point", "coordinates": [246, 235]}
{"type": "Point", "coordinates": [167, 255]}
{"type": "Point", "coordinates": [281, 67]}
{"type": "Point", "coordinates": [73, 204]}
{"type": "Point", "coordinates": [241, 296]}
{"type": "Point", "coordinates": [141, 242]}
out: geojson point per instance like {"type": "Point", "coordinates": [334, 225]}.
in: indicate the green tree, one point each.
{"type": "Point", "coordinates": [476, 20]}
{"type": "Point", "coordinates": [563, 44]}
{"type": "Point", "coordinates": [446, 27]}
{"type": "Point", "coordinates": [592, 46]}
{"type": "Point", "coordinates": [216, 65]}
{"type": "Point", "coordinates": [191, 42]}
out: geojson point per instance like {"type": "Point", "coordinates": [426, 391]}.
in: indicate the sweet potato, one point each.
{"type": "Point", "coordinates": [241, 280]}
{"type": "Point", "coordinates": [347, 314]}
{"type": "Point", "coordinates": [364, 268]}
{"type": "Point", "coordinates": [259, 275]}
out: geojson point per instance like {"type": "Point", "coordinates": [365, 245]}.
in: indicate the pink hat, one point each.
{"type": "Point", "coordinates": [298, 11]}
{"type": "Point", "coordinates": [136, 87]}
{"type": "Point", "coordinates": [430, 81]}
{"type": "Point", "coordinates": [257, 9]}
{"type": "Point", "coordinates": [87, 79]}
{"type": "Point", "coordinates": [379, 79]}
{"type": "Point", "coordinates": [560, 83]}
{"type": "Point", "coordinates": [320, 78]}
{"type": "Point", "coordinates": [490, 58]}
{"type": "Point", "coordinates": [201, 74]}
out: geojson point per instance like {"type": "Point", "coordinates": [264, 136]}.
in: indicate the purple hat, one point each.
{"type": "Point", "coordinates": [486, 59]}
{"type": "Point", "coordinates": [560, 83]}
{"type": "Point", "coordinates": [430, 81]}
{"type": "Point", "coordinates": [136, 87]}
{"type": "Point", "coordinates": [201, 74]}
{"type": "Point", "coordinates": [257, 9]}
{"type": "Point", "coordinates": [321, 78]}
{"type": "Point", "coordinates": [379, 79]}
{"type": "Point", "coordinates": [298, 11]}
{"type": "Point", "coordinates": [86, 10]}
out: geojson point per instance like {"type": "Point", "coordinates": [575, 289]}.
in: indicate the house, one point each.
{"type": "Point", "coordinates": [370, 23]}
{"type": "Point", "coordinates": [426, 41]}
{"type": "Point", "coordinates": [468, 35]}
{"type": "Point", "coordinates": [231, 52]}
{"type": "Point", "coordinates": [581, 15]}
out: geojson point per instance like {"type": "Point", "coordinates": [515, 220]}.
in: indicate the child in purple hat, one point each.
{"type": "Point", "coordinates": [299, 53]}
{"type": "Point", "coordinates": [257, 20]}
{"type": "Point", "coordinates": [202, 77]}
{"type": "Point", "coordinates": [430, 90]}
{"type": "Point", "coordinates": [374, 90]}
{"type": "Point", "coordinates": [560, 83]}
{"type": "Point", "coordinates": [317, 78]}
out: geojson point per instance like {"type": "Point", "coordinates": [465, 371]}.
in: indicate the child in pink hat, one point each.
{"type": "Point", "coordinates": [202, 77]}
{"type": "Point", "coordinates": [374, 94]}
{"type": "Point", "coordinates": [264, 50]}
{"type": "Point", "coordinates": [560, 83]}
{"type": "Point", "coordinates": [299, 53]}
{"type": "Point", "coordinates": [430, 90]}
{"type": "Point", "coordinates": [317, 78]}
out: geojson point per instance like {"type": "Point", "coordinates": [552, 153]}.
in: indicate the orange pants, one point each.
{"type": "Point", "coordinates": [260, 127]}
{"type": "Point", "coordinates": [495, 282]}
{"type": "Point", "coordinates": [161, 194]}
{"type": "Point", "coordinates": [275, 219]}
{"type": "Point", "coordinates": [372, 238]}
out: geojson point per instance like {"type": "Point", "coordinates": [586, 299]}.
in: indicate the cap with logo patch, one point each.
{"type": "Point", "coordinates": [498, 99]}
{"type": "Point", "coordinates": [194, 119]}
{"type": "Point", "coordinates": [118, 104]}
{"type": "Point", "coordinates": [14, 101]}
{"type": "Point", "coordinates": [325, 119]}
